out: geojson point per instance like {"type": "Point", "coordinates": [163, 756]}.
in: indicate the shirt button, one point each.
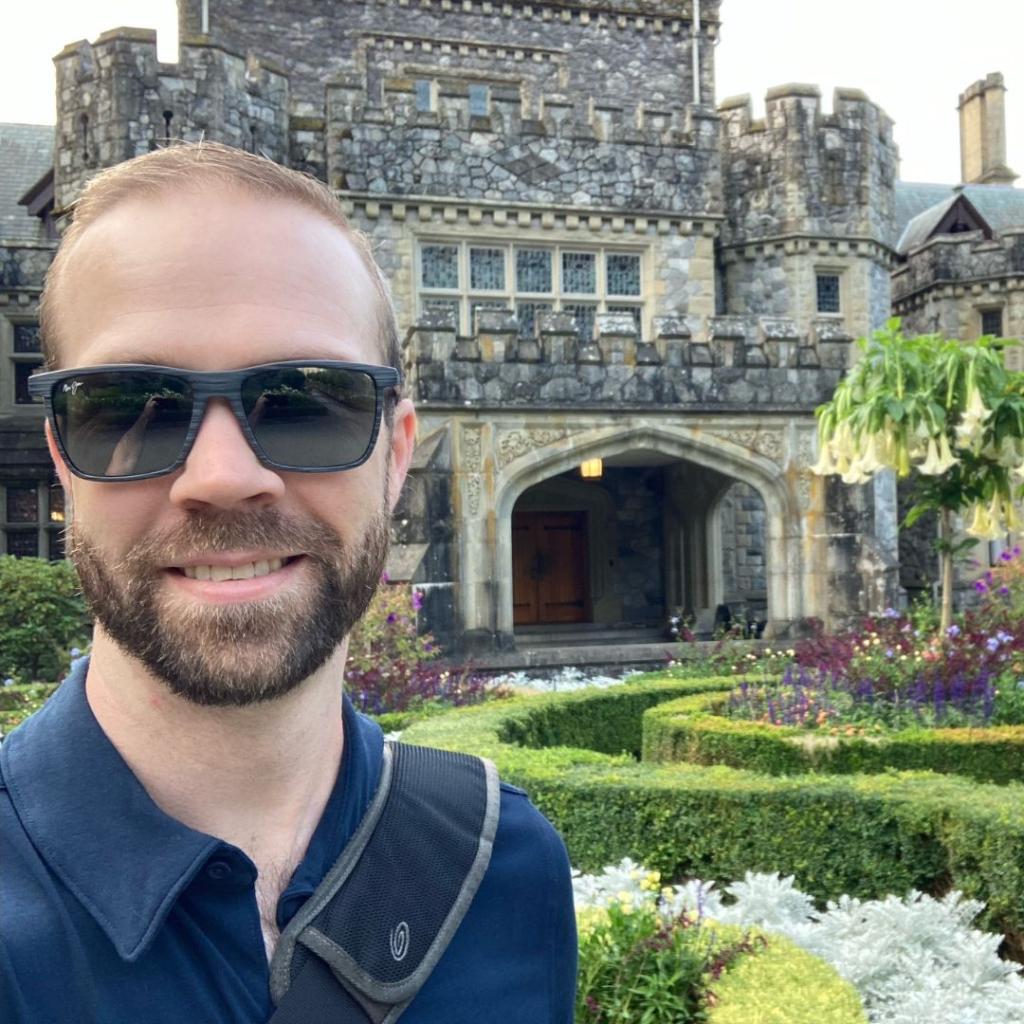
{"type": "Point", "coordinates": [218, 870]}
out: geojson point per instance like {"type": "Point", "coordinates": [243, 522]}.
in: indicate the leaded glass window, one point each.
{"type": "Point", "coordinates": [26, 338]}
{"type": "Point", "coordinates": [424, 95]}
{"type": "Point", "coordinates": [533, 270]}
{"type": "Point", "coordinates": [56, 500]}
{"type": "Point", "coordinates": [992, 322]}
{"type": "Point", "coordinates": [440, 266]}
{"type": "Point", "coordinates": [623, 273]}
{"type": "Point", "coordinates": [478, 95]}
{"type": "Point", "coordinates": [579, 273]}
{"type": "Point", "coordinates": [828, 293]}
{"type": "Point", "coordinates": [22, 372]}
{"type": "Point", "coordinates": [22, 503]}
{"type": "Point", "coordinates": [487, 269]}
{"type": "Point", "coordinates": [585, 314]}
{"type": "Point", "coordinates": [467, 276]}
{"type": "Point", "coordinates": [23, 543]}
{"type": "Point", "coordinates": [527, 313]}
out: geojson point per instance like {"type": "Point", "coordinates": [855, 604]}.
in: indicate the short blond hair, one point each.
{"type": "Point", "coordinates": [182, 165]}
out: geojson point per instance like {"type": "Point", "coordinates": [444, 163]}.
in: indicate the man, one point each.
{"type": "Point", "coordinates": [177, 801]}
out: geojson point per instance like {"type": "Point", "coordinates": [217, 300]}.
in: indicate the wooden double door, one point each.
{"type": "Point", "coordinates": [549, 568]}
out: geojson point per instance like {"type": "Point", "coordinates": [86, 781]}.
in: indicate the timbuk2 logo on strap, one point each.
{"type": "Point", "coordinates": [399, 941]}
{"type": "Point", "coordinates": [417, 859]}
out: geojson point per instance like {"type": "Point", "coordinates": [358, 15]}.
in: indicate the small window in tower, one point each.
{"type": "Point", "coordinates": [992, 322]}
{"type": "Point", "coordinates": [579, 272]}
{"type": "Point", "coordinates": [487, 269]}
{"type": "Point", "coordinates": [478, 100]}
{"type": "Point", "coordinates": [828, 293]}
{"type": "Point", "coordinates": [439, 266]}
{"type": "Point", "coordinates": [424, 95]}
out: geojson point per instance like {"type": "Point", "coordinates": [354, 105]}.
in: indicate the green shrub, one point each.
{"type": "Point", "coordinates": [689, 730]}
{"type": "Point", "coordinates": [19, 701]}
{"type": "Point", "coordinates": [42, 616]}
{"type": "Point", "coordinates": [859, 834]}
{"type": "Point", "coordinates": [783, 984]}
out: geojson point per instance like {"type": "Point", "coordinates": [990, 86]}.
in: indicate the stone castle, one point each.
{"type": "Point", "coordinates": [621, 299]}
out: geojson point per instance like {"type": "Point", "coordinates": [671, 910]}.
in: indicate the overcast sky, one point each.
{"type": "Point", "coordinates": [913, 57]}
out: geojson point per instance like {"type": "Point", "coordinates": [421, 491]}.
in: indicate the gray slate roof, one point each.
{"type": "Point", "coordinates": [1000, 206]}
{"type": "Point", "coordinates": [26, 153]}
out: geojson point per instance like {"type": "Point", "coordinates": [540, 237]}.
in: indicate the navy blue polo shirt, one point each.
{"type": "Point", "coordinates": [115, 913]}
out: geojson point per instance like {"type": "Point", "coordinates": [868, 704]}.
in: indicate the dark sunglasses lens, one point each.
{"type": "Point", "coordinates": [122, 423]}
{"type": "Point", "coordinates": [311, 417]}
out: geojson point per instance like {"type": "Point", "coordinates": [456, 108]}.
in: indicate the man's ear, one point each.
{"type": "Point", "coordinates": [403, 443]}
{"type": "Point", "coordinates": [58, 463]}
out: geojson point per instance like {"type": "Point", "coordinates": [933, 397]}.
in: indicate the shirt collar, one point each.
{"type": "Point", "coordinates": [101, 833]}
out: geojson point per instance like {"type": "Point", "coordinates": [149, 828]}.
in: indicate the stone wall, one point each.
{"type": "Point", "coordinates": [639, 556]}
{"type": "Point", "coordinates": [946, 284]}
{"type": "Point", "coordinates": [116, 101]}
{"type": "Point", "coordinates": [743, 526]}
{"type": "Point", "coordinates": [635, 52]}
{"type": "Point", "coordinates": [801, 172]}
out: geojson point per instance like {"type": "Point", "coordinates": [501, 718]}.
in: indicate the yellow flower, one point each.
{"type": "Point", "coordinates": [982, 525]}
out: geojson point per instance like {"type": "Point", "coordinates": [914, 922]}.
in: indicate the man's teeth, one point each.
{"type": "Point", "coordinates": [218, 573]}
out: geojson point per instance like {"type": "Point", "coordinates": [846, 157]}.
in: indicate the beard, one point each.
{"type": "Point", "coordinates": [238, 654]}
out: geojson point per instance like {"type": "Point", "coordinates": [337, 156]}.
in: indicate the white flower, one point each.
{"type": "Point", "coordinates": [939, 459]}
{"type": "Point", "coordinates": [972, 426]}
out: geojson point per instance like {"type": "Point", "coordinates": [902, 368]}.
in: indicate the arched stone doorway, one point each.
{"type": "Point", "coordinates": [638, 544]}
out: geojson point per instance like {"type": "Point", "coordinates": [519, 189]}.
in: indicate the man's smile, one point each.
{"type": "Point", "coordinates": [232, 577]}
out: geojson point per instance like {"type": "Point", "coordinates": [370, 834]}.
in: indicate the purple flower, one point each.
{"type": "Point", "coordinates": [417, 600]}
{"type": "Point", "coordinates": [1006, 556]}
{"type": "Point", "coordinates": [1004, 591]}
{"type": "Point", "coordinates": [992, 644]}
{"type": "Point", "coordinates": [890, 613]}
{"type": "Point", "coordinates": [980, 586]}
{"type": "Point", "coordinates": [954, 630]}
{"type": "Point", "coordinates": [392, 619]}
{"type": "Point", "coordinates": [888, 652]}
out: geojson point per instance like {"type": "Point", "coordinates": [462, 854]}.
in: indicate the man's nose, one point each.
{"type": "Point", "coordinates": [222, 470]}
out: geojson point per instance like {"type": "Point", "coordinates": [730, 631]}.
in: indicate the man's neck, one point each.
{"type": "Point", "coordinates": [258, 777]}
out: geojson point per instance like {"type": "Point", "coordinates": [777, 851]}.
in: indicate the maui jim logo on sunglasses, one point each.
{"type": "Point", "coordinates": [131, 421]}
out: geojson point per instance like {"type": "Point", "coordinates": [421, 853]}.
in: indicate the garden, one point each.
{"type": "Point", "coordinates": [829, 831]}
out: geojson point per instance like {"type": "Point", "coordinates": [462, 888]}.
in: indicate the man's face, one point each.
{"type": "Point", "coordinates": [216, 281]}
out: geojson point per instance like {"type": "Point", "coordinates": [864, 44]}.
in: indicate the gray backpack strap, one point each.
{"type": "Point", "coordinates": [387, 909]}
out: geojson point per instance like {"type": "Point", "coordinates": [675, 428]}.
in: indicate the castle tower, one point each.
{"type": "Point", "coordinates": [983, 133]}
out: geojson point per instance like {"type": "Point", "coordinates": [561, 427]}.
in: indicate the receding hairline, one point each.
{"type": "Point", "coordinates": [200, 169]}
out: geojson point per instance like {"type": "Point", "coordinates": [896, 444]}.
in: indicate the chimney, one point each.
{"type": "Point", "coordinates": [983, 133]}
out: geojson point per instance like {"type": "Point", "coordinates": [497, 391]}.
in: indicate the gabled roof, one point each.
{"type": "Point", "coordinates": [26, 154]}
{"type": "Point", "coordinates": [991, 209]}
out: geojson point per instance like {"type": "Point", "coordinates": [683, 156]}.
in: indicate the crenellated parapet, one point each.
{"type": "Point", "coordinates": [960, 261]}
{"type": "Point", "coordinates": [799, 171]}
{"type": "Point", "coordinates": [723, 363]}
{"type": "Point", "coordinates": [550, 148]}
{"type": "Point", "coordinates": [115, 100]}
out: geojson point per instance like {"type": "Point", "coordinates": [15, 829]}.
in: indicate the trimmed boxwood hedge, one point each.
{"type": "Point", "coordinates": [689, 730]}
{"type": "Point", "coordinates": [866, 835]}
{"type": "Point", "coordinates": [781, 984]}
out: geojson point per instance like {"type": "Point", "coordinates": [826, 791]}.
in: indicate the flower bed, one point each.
{"type": "Point", "coordinates": [911, 960]}
{"type": "Point", "coordinates": [867, 836]}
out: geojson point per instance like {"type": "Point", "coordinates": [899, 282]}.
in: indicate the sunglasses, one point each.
{"type": "Point", "coordinates": [130, 422]}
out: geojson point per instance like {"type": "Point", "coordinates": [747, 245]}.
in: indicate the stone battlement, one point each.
{"type": "Point", "coordinates": [115, 100]}
{"type": "Point", "coordinates": [727, 359]}
{"type": "Point", "coordinates": [959, 263]}
{"type": "Point", "coordinates": [801, 170]}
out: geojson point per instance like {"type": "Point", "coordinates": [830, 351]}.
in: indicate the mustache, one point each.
{"type": "Point", "coordinates": [205, 533]}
